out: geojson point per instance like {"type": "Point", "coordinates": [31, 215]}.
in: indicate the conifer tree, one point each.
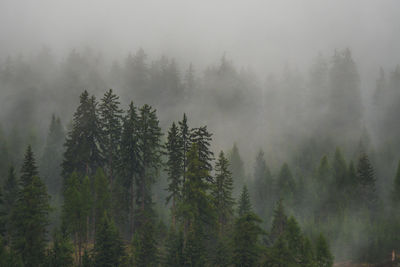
{"type": "Point", "coordinates": [174, 168]}
{"type": "Point", "coordinates": [82, 145]}
{"type": "Point", "coordinates": [237, 169]}
{"type": "Point", "coordinates": [323, 256]}
{"type": "Point", "coordinates": [60, 255]}
{"type": "Point", "coordinates": [263, 185]}
{"type": "Point", "coordinates": [366, 180]}
{"type": "Point", "coordinates": [149, 134]}
{"type": "Point", "coordinates": [144, 246]}
{"type": "Point", "coordinates": [11, 189]}
{"type": "Point", "coordinates": [102, 197]}
{"type": "Point", "coordinates": [76, 211]}
{"type": "Point", "coordinates": [202, 138]}
{"type": "Point", "coordinates": [244, 202]}
{"type": "Point", "coordinates": [110, 123]}
{"type": "Point", "coordinates": [285, 183]}
{"type": "Point", "coordinates": [174, 244]}
{"type": "Point", "coordinates": [130, 163]}
{"type": "Point", "coordinates": [50, 163]}
{"type": "Point", "coordinates": [30, 215]}
{"type": "Point", "coordinates": [109, 250]}
{"type": "Point", "coordinates": [246, 247]}
{"type": "Point", "coordinates": [184, 134]}
{"type": "Point", "coordinates": [222, 191]}
{"type": "Point", "coordinates": [279, 222]}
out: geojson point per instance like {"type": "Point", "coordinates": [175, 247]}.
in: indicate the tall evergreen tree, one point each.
{"type": "Point", "coordinates": [109, 249]}
{"type": "Point", "coordinates": [174, 168]}
{"type": "Point", "coordinates": [149, 144]}
{"type": "Point", "coordinates": [263, 185]}
{"type": "Point", "coordinates": [222, 191]}
{"type": "Point", "coordinates": [279, 222]}
{"type": "Point", "coordinates": [11, 189]}
{"type": "Point", "coordinates": [236, 167]}
{"type": "Point", "coordinates": [50, 163]}
{"type": "Point", "coordinates": [30, 215]}
{"type": "Point", "coordinates": [130, 163]}
{"type": "Point", "coordinates": [396, 187]}
{"type": "Point", "coordinates": [286, 186]}
{"type": "Point", "coordinates": [82, 145]}
{"type": "Point", "coordinates": [110, 122]}
{"type": "Point", "coordinates": [323, 256]}
{"type": "Point", "coordinates": [244, 202]}
{"type": "Point", "coordinates": [366, 179]}
{"type": "Point", "coordinates": [202, 138]}
{"type": "Point", "coordinates": [76, 211]}
{"type": "Point", "coordinates": [184, 134]}
{"type": "Point", "coordinates": [60, 254]}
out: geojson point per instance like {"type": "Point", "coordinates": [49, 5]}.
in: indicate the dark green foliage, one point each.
{"type": "Point", "coordinates": [149, 134]}
{"type": "Point", "coordinates": [222, 191]}
{"type": "Point", "coordinates": [144, 246]}
{"type": "Point", "coordinates": [279, 222]}
{"type": "Point", "coordinates": [174, 168]}
{"type": "Point", "coordinates": [129, 166]}
{"type": "Point", "coordinates": [323, 256]}
{"type": "Point", "coordinates": [60, 254]}
{"type": "Point", "coordinates": [286, 186]}
{"type": "Point", "coordinates": [50, 163]}
{"type": "Point", "coordinates": [11, 189]}
{"type": "Point", "coordinates": [76, 210]}
{"type": "Point", "coordinates": [9, 258]}
{"type": "Point", "coordinates": [246, 246]}
{"type": "Point", "coordinates": [263, 187]}
{"type": "Point", "coordinates": [174, 244]}
{"type": "Point", "coordinates": [29, 219]}
{"type": "Point", "coordinates": [244, 203]}
{"type": "Point", "coordinates": [237, 169]}
{"type": "Point", "coordinates": [109, 250]}
{"type": "Point", "coordinates": [102, 196]}
{"type": "Point", "coordinates": [29, 169]}
{"type": "Point", "coordinates": [366, 181]}
{"type": "Point", "coordinates": [110, 116]}
{"type": "Point", "coordinates": [82, 150]}
{"type": "Point", "coordinates": [279, 255]}
{"type": "Point", "coordinates": [202, 138]}
{"type": "Point", "coordinates": [184, 134]}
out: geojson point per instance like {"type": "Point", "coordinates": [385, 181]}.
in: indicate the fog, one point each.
{"type": "Point", "coordinates": [283, 76]}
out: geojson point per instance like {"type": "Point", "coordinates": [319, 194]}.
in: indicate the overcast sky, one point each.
{"type": "Point", "coordinates": [263, 34]}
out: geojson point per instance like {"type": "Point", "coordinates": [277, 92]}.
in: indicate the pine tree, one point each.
{"type": "Point", "coordinates": [110, 122]}
{"type": "Point", "coordinates": [285, 184]}
{"type": "Point", "coordinates": [174, 168]}
{"type": "Point", "coordinates": [279, 222]}
{"type": "Point", "coordinates": [263, 185]}
{"type": "Point", "coordinates": [10, 198]}
{"type": "Point", "coordinates": [174, 244]}
{"type": "Point", "coordinates": [202, 138]}
{"type": "Point", "coordinates": [246, 247]}
{"type": "Point", "coordinates": [82, 145]}
{"type": "Point", "coordinates": [60, 255]}
{"type": "Point", "coordinates": [237, 169]}
{"type": "Point", "coordinates": [244, 202]}
{"type": "Point", "coordinates": [144, 246]}
{"type": "Point", "coordinates": [76, 211]}
{"type": "Point", "coordinates": [366, 180]}
{"type": "Point", "coordinates": [30, 215]}
{"type": "Point", "coordinates": [279, 255]}
{"type": "Point", "coordinates": [130, 163]}
{"type": "Point", "coordinates": [222, 191]}
{"type": "Point", "coordinates": [294, 239]}
{"type": "Point", "coordinates": [184, 134]}
{"type": "Point", "coordinates": [102, 197]}
{"type": "Point", "coordinates": [109, 250]}
{"type": "Point", "coordinates": [149, 134]}
{"type": "Point", "coordinates": [52, 157]}
{"type": "Point", "coordinates": [323, 256]}
{"type": "Point", "coordinates": [339, 171]}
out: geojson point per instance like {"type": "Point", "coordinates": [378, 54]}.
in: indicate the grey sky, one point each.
{"type": "Point", "coordinates": [257, 33]}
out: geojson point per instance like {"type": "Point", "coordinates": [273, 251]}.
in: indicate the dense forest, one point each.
{"type": "Point", "coordinates": [153, 173]}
